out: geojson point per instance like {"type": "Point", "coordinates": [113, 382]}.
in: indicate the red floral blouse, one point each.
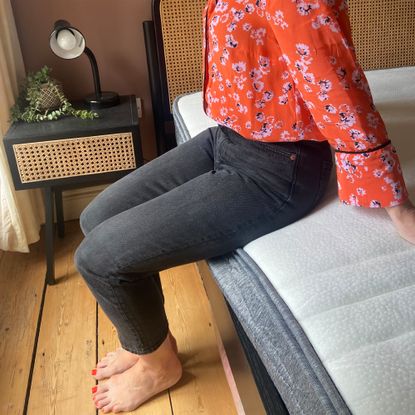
{"type": "Point", "coordinates": [286, 70]}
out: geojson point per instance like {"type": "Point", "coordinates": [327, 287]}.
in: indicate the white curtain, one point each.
{"type": "Point", "coordinates": [21, 212]}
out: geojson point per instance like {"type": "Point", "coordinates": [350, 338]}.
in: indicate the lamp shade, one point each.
{"type": "Point", "coordinates": [69, 43]}
{"type": "Point", "coordinates": [66, 41]}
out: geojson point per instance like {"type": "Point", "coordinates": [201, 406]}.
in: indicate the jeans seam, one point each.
{"type": "Point", "coordinates": [150, 349]}
{"type": "Point", "coordinates": [322, 179]}
{"type": "Point", "coordinates": [114, 295]}
{"type": "Point", "coordinates": [263, 215]}
{"type": "Point", "coordinates": [294, 178]}
{"type": "Point", "coordinates": [138, 334]}
{"type": "Point", "coordinates": [264, 147]}
{"type": "Point", "coordinates": [124, 312]}
{"type": "Point", "coordinates": [275, 150]}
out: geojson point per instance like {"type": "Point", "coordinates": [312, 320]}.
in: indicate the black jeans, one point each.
{"type": "Point", "coordinates": [202, 199]}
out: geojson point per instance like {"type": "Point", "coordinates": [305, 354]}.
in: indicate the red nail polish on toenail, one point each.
{"type": "Point", "coordinates": [93, 371]}
{"type": "Point", "coordinates": [94, 389]}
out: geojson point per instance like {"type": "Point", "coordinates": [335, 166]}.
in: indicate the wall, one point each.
{"type": "Point", "coordinates": [113, 31]}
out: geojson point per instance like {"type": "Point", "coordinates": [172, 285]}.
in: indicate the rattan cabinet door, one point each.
{"type": "Point", "coordinates": [72, 157]}
{"type": "Point", "coordinates": [71, 152]}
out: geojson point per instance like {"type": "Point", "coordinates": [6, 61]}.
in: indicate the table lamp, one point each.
{"type": "Point", "coordinates": [68, 42]}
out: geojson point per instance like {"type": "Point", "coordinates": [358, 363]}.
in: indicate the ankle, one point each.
{"type": "Point", "coordinates": [163, 355]}
{"type": "Point", "coordinates": [165, 367]}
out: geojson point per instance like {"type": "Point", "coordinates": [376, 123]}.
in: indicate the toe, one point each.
{"type": "Point", "coordinates": [99, 396]}
{"type": "Point", "coordinates": [102, 363]}
{"type": "Point", "coordinates": [102, 373]}
{"type": "Point", "coordinates": [110, 355]}
{"type": "Point", "coordinates": [102, 403]}
{"type": "Point", "coordinates": [102, 387]}
{"type": "Point", "coordinates": [107, 408]}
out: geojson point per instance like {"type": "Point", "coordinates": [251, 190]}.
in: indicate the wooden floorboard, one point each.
{"type": "Point", "coordinates": [66, 348]}
{"type": "Point", "coordinates": [203, 388]}
{"type": "Point", "coordinates": [21, 286]}
{"type": "Point", "coordinates": [72, 336]}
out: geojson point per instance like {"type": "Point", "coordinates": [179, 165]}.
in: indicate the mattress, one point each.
{"type": "Point", "coordinates": [339, 283]}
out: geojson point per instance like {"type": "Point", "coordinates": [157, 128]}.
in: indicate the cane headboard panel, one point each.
{"type": "Point", "coordinates": [383, 32]}
{"type": "Point", "coordinates": [181, 22]}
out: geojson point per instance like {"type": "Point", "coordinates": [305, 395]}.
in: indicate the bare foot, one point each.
{"type": "Point", "coordinates": [114, 362]}
{"type": "Point", "coordinates": [151, 374]}
{"type": "Point", "coordinates": [120, 360]}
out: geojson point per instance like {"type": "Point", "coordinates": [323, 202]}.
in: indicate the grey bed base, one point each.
{"type": "Point", "coordinates": [279, 344]}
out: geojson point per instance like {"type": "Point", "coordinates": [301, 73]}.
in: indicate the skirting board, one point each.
{"type": "Point", "coordinates": [75, 200]}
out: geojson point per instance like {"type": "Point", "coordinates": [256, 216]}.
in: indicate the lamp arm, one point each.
{"type": "Point", "coordinates": [95, 72]}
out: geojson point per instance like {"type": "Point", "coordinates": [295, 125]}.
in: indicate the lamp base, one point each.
{"type": "Point", "coordinates": [104, 100]}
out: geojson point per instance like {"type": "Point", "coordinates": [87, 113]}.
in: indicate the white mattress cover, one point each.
{"type": "Point", "coordinates": [346, 275]}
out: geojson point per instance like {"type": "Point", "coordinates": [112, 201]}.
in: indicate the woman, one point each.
{"type": "Point", "coordinates": [283, 83]}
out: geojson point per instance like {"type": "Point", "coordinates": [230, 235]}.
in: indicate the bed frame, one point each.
{"type": "Point", "coordinates": [384, 37]}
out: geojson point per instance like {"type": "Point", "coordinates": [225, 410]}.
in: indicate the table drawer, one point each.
{"type": "Point", "coordinates": [72, 157]}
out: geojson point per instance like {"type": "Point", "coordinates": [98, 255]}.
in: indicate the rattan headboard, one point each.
{"type": "Point", "coordinates": [383, 33]}
{"type": "Point", "coordinates": [181, 23]}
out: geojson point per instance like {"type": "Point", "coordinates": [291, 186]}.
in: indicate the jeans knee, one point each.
{"type": "Point", "coordinates": [97, 211]}
{"type": "Point", "coordinates": [81, 260]}
{"type": "Point", "coordinates": [84, 222]}
{"type": "Point", "coordinates": [87, 258]}
{"type": "Point", "coordinates": [93, 257]}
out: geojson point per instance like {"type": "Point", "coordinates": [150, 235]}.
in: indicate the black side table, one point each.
{"type": "Point", "coordinates": [71, 152]}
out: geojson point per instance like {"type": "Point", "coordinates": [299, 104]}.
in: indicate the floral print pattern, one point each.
{"type": "Point", "coordinates": [286, 70]}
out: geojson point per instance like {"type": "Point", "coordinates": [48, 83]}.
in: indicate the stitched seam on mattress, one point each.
{"type": "Point", "coordinates": [369, 345]}
{"type": "Point", "coordinates": [343, 268]}
{"type": "Point", "coordinates": [362, 261]}
{"type": "Point", "coordinates": [357, 302]}
{"type": "Point", "coordinates": [307, 349]}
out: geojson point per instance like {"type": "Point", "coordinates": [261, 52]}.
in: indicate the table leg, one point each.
{"type": "Point", "coordinates": [50, 260]}
{"type": "Point", "coordinates": [59, 212]}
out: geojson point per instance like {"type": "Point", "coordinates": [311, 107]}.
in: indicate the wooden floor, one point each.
{"type": "Point", "coordinates": [52, 336]}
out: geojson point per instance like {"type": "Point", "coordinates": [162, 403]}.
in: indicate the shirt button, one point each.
{"type": "Point", "coordinates": [293, 156]}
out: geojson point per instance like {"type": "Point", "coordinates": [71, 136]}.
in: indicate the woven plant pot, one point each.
{"type": "Point", "coordinates": [48, 99]}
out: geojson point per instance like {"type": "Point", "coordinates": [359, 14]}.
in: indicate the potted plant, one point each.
{"type": "Point", "coordinates": [41, 99]}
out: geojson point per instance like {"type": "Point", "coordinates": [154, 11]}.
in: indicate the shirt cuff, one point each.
{"type": "Point", "coordinates": [373, 179]}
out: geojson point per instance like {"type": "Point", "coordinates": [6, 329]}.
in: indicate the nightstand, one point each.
{"type": "Point", "coordinates": [70, 152]}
